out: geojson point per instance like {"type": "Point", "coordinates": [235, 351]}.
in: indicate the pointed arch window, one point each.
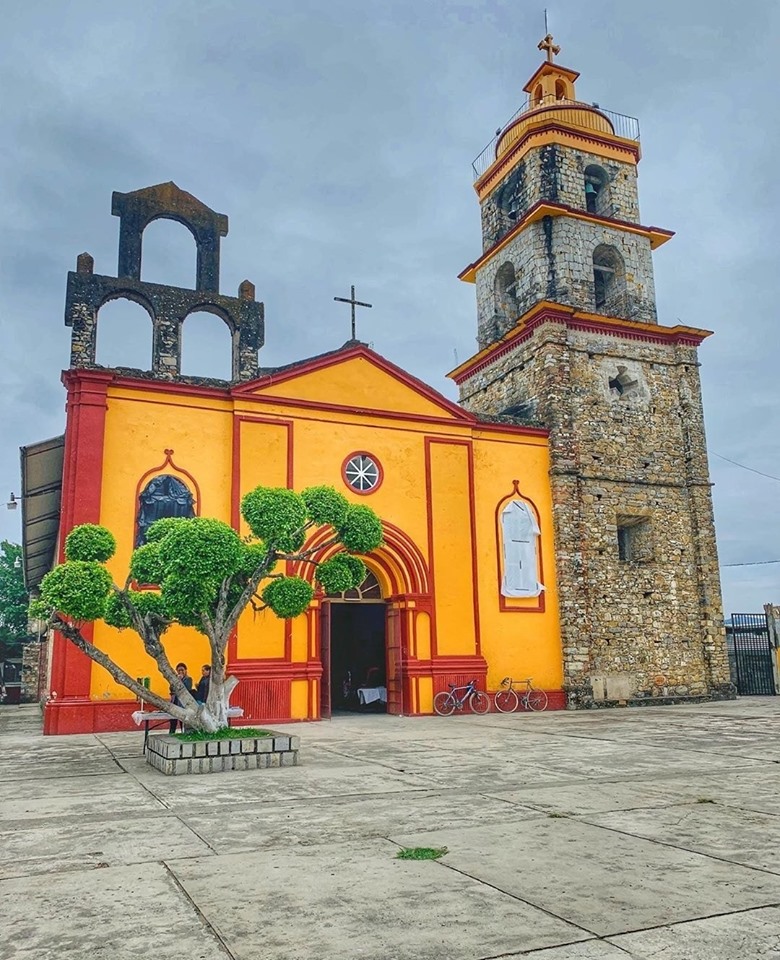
{"type": "Point", "coordinates": [163, 496]}
{"type": "Point", "coordinates": [520, 567]}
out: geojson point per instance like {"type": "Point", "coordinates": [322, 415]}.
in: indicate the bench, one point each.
{"type": "Point", "coordinates": [158, 717]}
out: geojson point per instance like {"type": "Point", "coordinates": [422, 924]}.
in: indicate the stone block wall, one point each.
{"type": "Point", "coordinates": [557, 174]}
{"type": "Point", "coordinates": [175, 757]}
{"type": "Point", "coordinates": [553, 260]}
{"type": "Point", "coordinates": [622, 458]}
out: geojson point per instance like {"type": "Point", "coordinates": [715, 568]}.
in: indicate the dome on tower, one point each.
{"type": "Point", "coordinates": [551, 97]}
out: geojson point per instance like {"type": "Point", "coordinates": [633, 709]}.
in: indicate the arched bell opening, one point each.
{"type": "Point", "coordinates": [596, 183]}
{"type": "Point", "coordinates": [169, 253]}
{"type": "Point", "coordinates": [208, 345]}
{"type": "Point", "coordinates": [124, 333]}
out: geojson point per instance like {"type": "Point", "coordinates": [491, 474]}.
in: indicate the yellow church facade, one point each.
{"type": "Point", "coordinates": [557, 524]}
{"type": "Point", "coordinates": [439, 478]}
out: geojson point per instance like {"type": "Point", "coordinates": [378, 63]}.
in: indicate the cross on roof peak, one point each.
{"type": "Point", "coordinates": [354, 303]}
{"type": "Point", "coordinates": [552, 49]}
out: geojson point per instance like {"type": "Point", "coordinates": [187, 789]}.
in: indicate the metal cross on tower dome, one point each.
{"type": "Point", "coordinates": [551, 48]}
{"type": "Point", "coordinates": [355, 303]}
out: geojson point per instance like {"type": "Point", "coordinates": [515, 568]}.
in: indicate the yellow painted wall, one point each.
{"type": "Point", "coordinates": [516, 644]}
{"type": "Point", "coordinates": [141, 424]}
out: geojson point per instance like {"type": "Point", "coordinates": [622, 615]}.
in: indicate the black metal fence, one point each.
{"type": "Point", "coordinates": [751, 656]}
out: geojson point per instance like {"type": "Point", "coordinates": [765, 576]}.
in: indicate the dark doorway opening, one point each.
{"type": "Point", "coordinates": [357, 658]}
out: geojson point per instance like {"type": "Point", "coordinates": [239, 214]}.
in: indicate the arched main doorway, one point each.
{"type": "Point", "coordinates": [353, 647]}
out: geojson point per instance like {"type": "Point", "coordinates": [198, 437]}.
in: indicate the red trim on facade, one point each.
{"type": "Point", "coordinates": [569, 317]}
{"type": "Point", "coordinates": [235, 505]}
{"type": "Point", "coordinates": [342, 356]}
{"type": "Point", "coordinates": [158, 471]}
{"type": "Point", "coordinates": [632, 148]}
{"type": "Point", "coordinates": [547, 208]}
{"type": "Point", "coordinates": [503, 602]}
{"type": "Point", "coordinates": [380, 469]}
{"type": "Point", "coordinates": [429, 441]}
{"type": "Point", "coordinates": [71, 672]}
{"type": "Point", "coordinates": [398, 555]}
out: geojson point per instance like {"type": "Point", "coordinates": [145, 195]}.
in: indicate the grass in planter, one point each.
{"type": "Point", "coordinates": [421, 853]}
{"type": "Point", "coordinates": [226, 733]}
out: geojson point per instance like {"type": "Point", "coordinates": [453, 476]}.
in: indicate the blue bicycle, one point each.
{"type": "Point", "coordinates": [448, 701]}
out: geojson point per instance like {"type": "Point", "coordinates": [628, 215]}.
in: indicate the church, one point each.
{"type": "Point", "coordinates": [556, 523]}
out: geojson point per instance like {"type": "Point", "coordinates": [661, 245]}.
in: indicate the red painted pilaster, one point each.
{"type": "Point", "coordinates": [82, 483]}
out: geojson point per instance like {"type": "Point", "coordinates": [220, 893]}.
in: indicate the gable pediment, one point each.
{"type": "Point", "coordinates": [355, 379]}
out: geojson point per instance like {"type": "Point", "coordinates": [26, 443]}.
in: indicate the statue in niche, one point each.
{"type": "Point", "coordinates": [164, 496]}
{"type": "Point", "coordinates": [520, 533]}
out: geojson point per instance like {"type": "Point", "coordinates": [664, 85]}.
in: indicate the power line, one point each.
{"type": "Point", "coordinates": [753, 563]}
{"type": "Point", "coordinates": [752, 470]}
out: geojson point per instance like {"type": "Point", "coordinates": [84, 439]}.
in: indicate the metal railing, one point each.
{"type": "Point", "coordinates": [587, 116]}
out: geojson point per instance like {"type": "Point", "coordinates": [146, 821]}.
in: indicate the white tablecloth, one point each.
{"type": "Point", "coordinates": [372, 694]}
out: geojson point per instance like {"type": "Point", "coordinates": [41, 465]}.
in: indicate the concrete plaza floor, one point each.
{"type": "Point", "coordinates": [572, 836]}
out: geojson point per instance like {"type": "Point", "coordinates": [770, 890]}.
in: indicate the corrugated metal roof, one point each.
{"type": "Point", "coordinates": [41, 498]}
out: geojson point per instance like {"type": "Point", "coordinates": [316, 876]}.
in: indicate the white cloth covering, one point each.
{"type": "Point", "coordinates": [520, 551]}
{"type": "Point", "coordinates": [372, 694]}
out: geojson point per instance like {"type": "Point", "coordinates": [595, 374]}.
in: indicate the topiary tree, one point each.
{"type": "Point", "coordinates": [200, 573]}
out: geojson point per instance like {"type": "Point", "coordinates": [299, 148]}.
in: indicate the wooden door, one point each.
{"type": "Point", "coordinates": [393, 649]}
{"type": "Point", "coordinates": [326, 699]}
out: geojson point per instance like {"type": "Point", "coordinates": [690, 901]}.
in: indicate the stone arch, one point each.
{"type": "Point", "coordinates": [538, 96]}
{"type": "Point", "coordinates": [398, 564]}
{"type": "Point", "coordinates": [162, 259]}
{"type": "Point", "coordinates": [206, 349]}
{"type": "Point", "coordinates": [560, 90]}
{"type": "Point", "coordinates": [505, 292]}
{"type": "Point", "coordinates": [596, 186]}
{"type": "Point", "coordinates": [609, 280]}
{"type": "Point", "coordinates": [121, 339]}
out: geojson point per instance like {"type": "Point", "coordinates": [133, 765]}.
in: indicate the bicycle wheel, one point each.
{"type": "Point", "coordinates": [479, 702]}
{"type": "Point", "coordinates": [537, 700]}
{"type": "Point", "coordinates": [506, 701]}
{"type": "Point", "coordinates": [444, 703]}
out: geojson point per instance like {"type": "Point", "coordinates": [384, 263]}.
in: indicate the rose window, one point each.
{"type": "Point", "coordinates": [362, 473]}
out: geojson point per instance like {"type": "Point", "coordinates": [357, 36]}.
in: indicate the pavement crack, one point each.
{"type": "Point", "coordinates": [206, 922]}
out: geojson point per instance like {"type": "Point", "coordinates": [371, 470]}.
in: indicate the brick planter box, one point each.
{"type": "Point", "coordinates": [176, 757]}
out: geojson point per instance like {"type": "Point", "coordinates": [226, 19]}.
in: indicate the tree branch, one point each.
{"type": "Point", "coordinates": [74, 635]}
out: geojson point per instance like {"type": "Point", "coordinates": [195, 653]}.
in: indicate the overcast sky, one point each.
{"type": "Point", "coordinates": [338, 138]}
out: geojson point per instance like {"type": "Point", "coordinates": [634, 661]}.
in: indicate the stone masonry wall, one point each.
{"type": "Point", "coordinates": [637, 628]}
{"type": "Point", "coordinates": [553, 260]}
{"type": "Point", "coordinates": [557, 174]}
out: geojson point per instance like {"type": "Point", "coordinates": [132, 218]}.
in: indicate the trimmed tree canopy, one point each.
{"type": "Point", "coordinates": [200, 573]}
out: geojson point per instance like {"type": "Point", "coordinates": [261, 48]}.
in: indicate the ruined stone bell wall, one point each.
{"type": "Point", "coordinates": [649, 626]}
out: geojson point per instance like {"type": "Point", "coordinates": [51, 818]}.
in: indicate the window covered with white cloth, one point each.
{"type": "Point", "coordinates": [520, 551]}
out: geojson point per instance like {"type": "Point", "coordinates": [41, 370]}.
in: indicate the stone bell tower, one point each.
{"type": "Point", "coordinates": [568, 336]}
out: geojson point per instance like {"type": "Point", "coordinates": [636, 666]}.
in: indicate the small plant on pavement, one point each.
{"type": "Point", "coordinates": [421, 853]}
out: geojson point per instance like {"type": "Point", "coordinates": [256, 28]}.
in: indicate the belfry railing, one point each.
{"type": "Point", "coordinates": [586, 116]}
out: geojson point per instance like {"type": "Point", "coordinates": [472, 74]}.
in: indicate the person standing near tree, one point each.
{"type": "Point", "coordinates": [181, 670]}
{"type": "Point", "coordinates": [202, 690]}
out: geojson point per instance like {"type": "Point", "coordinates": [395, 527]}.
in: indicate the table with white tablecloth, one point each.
{"type": "Point", "coordinates": [368, 695]}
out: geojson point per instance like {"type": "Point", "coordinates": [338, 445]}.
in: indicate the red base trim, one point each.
{"type": "Point", "coordinates": [82, 715]}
